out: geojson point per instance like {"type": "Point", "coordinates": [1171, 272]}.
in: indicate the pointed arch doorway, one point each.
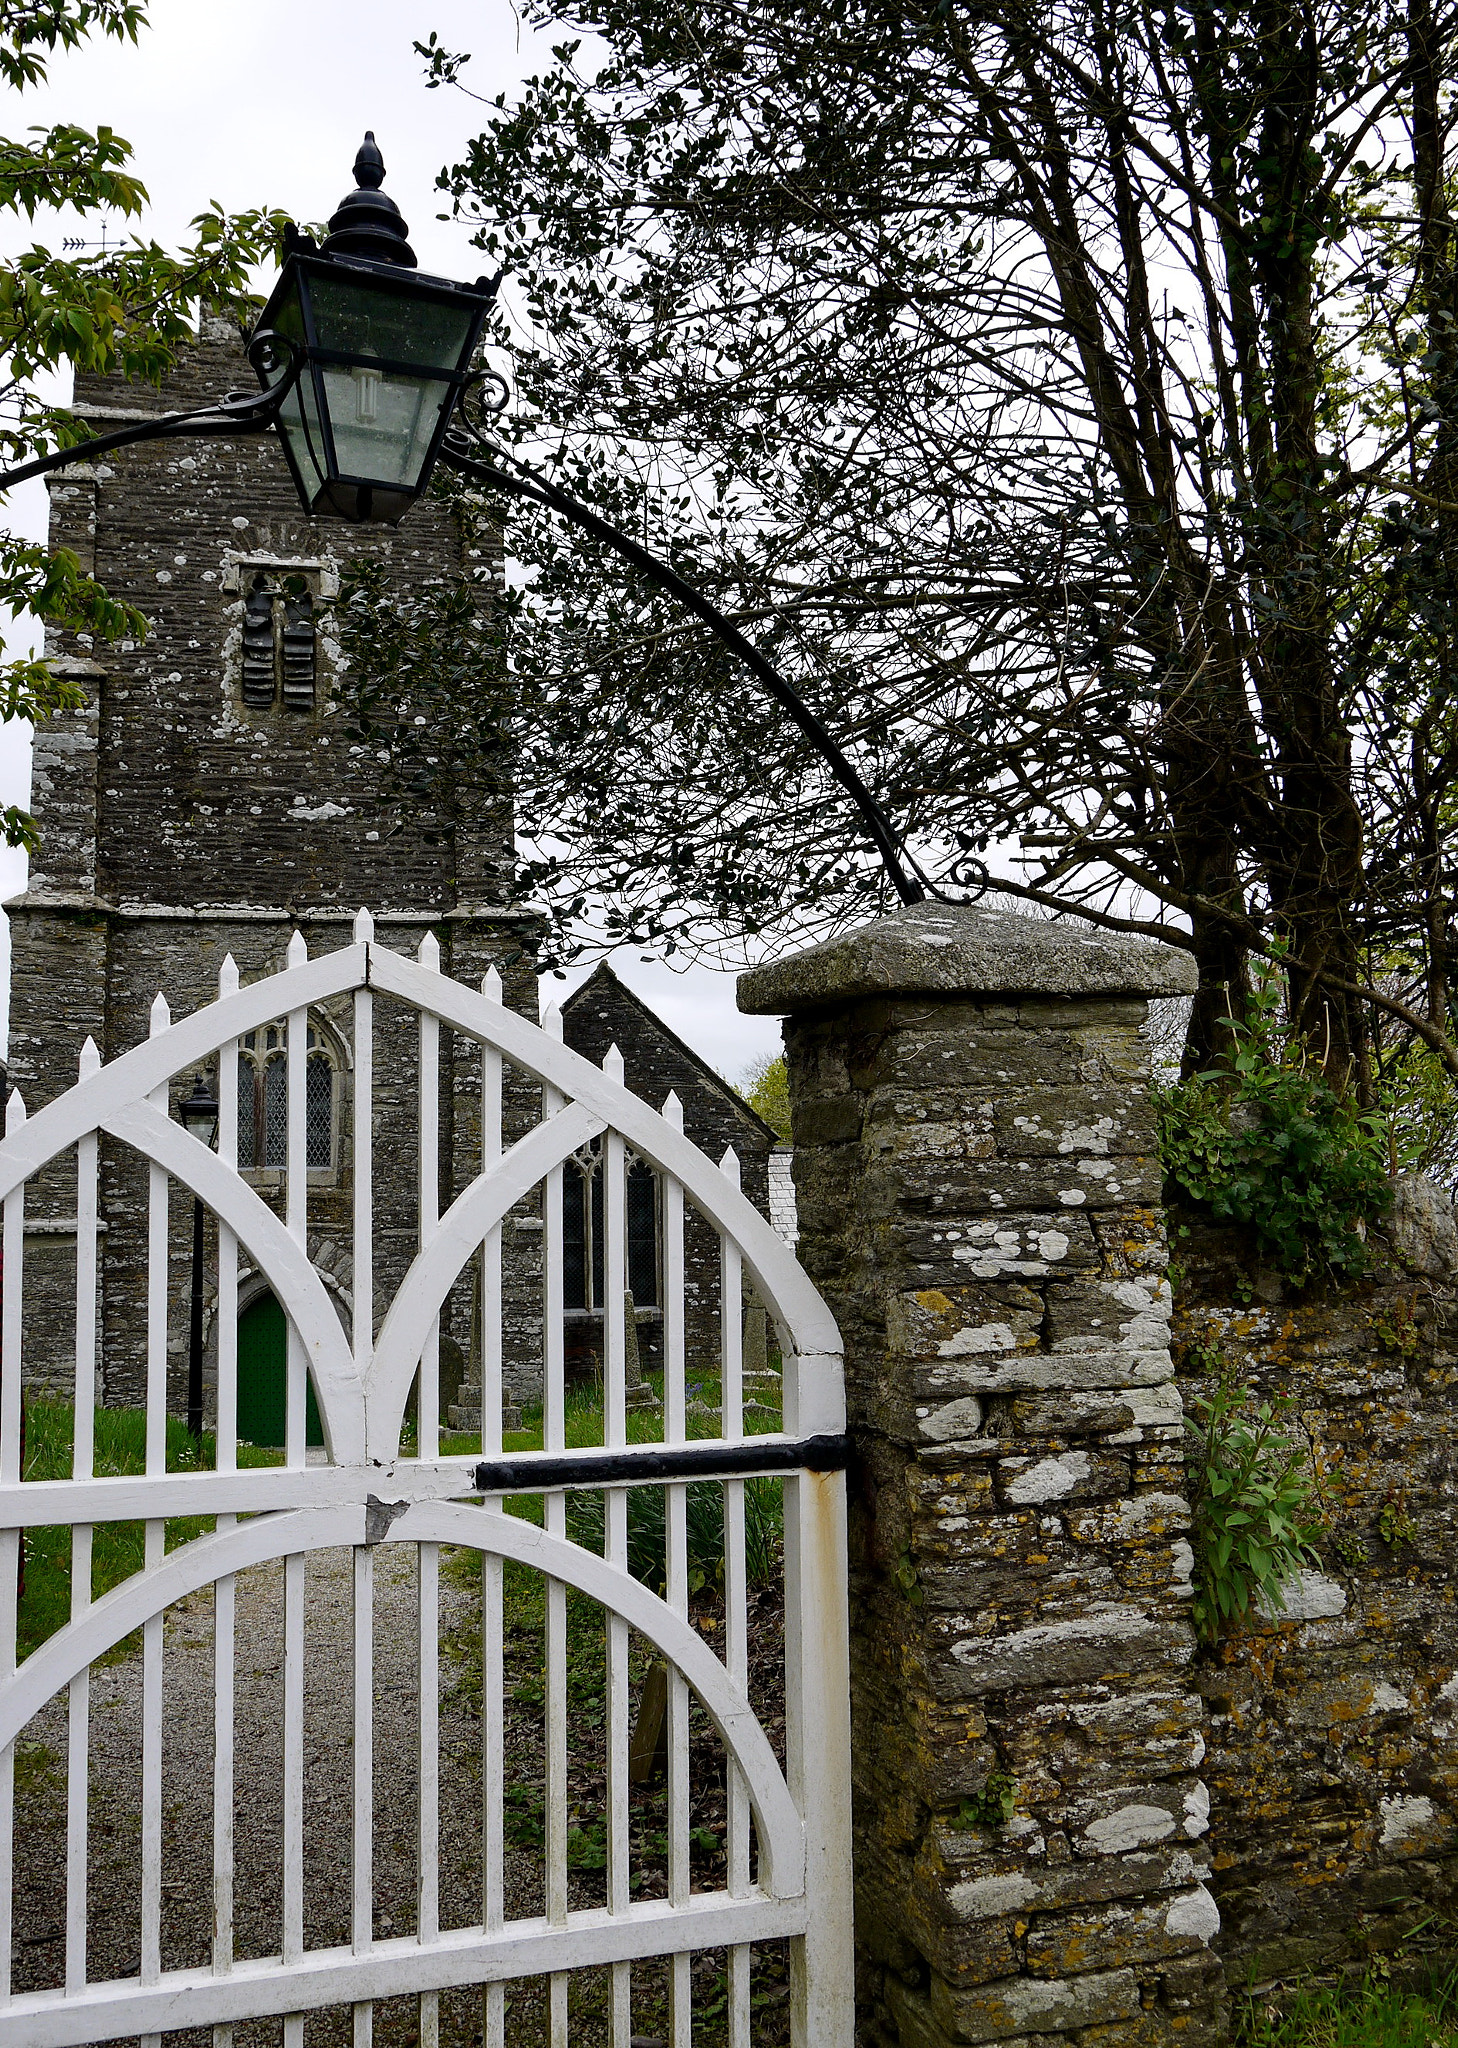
{"type": "Point", "coordinates": [263, 1355]}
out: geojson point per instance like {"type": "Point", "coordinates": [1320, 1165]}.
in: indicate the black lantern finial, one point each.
{"type": "Point", "coordinates": [369, 165]}
{"type": "Point", "coordinates": [368, 222]}
{"type": "Point", "coordinates": [376, 354]}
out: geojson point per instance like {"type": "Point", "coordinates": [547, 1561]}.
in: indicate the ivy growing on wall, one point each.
{"type": "Point", "coordinates": [1266, 1141]}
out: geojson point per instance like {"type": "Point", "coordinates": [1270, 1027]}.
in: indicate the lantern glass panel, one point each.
{"type": "Point", "coordinates": [298, 423]}
{"type": "Point", "coordinates": [385, 415]}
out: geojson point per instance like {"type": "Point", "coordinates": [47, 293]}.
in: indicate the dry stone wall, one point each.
{"type": "Point", "coordinates": [1333, 1726]}
{"type": "Point", "coordinates": [979, 1201]}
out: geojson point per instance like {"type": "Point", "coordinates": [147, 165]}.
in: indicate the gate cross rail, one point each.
{"type": "Point", "coordinates": [540, 1471]}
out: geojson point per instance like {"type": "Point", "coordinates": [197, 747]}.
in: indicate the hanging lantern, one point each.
{"type": "Point", "coordinates": [385, 353]}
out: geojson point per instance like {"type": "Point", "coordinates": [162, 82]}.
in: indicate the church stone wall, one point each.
{"type": "Point", "coordinates": [603, 1013]}
{"type": "Point", "coordinates": [1332, 1727]}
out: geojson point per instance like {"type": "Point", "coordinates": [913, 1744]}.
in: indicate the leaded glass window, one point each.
{"type": "Point", "coordinates": [247, 1118]}
{"type": "Point", "coordinates": [642, 1219]}
{"type": "Point", "coordinates": [319, 1110]}
{"type": "Point", "coordinates": [263, 1104]}
{"type": "Point", "coordinates": [582, 1231]}
{"type": "Point", "coordinates": [275, 1110]}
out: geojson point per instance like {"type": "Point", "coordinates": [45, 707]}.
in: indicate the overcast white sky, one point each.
{"type": "Point", "coordinates": [264, 102]}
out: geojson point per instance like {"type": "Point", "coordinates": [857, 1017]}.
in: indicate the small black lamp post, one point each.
{"type": "Point", "coordinates": [199, 1113]}
{"type": "Point", "coordinates": [363, 364]}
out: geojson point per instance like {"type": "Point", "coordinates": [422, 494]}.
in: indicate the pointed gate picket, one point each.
{"type": "Point", "coordinates": [787, 1853]}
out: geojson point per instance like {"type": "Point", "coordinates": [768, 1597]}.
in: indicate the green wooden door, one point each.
{"type": "Point", "coordinates": [263, 1354]}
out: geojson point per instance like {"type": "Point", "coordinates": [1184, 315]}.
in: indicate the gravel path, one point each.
{"type": "Point", "coordinates": [114, 1874]}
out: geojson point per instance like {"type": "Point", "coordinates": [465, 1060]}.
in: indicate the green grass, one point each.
{"type": "Point", "coordinates": [524, 1590]}
{"type": "Point", "coordinates": [120, 1450]}
{"type": "Point", "coordinates": [1375, 2014]}
{"type": "Point", "coordinates": [117, 1547]}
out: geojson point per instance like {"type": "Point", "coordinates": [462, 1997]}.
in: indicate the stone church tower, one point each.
{"type": "Point", "coordinates": [206, 801]}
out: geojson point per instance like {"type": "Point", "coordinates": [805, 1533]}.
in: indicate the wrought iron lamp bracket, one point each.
{"type": "Point", "coordinates": [469, 451]}
{"type": "Point", "coordinates": [236, 412]}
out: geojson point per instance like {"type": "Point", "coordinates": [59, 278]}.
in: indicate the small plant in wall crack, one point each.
{"type": "Point", "coordinates": [993, 1806]}
{"type": "Point", "coordinates": [1253, 1495]}
{"type": "Point", "coordinates": [1395, 1329]}
{"type": "Point", "coordinates": [1394, 1524]}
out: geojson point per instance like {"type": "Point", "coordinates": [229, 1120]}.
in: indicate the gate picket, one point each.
{"type": "Point", "coordinates": [786, 1869]}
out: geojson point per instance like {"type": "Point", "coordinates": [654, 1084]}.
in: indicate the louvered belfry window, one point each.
{"type": "Point", "coordinates": [263, 1109]}
{"type": "Point", "coordinates": [279, 641]}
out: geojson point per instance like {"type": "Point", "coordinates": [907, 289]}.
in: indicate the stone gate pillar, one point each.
{"type": "Point", "coordinates": [979, 1201]}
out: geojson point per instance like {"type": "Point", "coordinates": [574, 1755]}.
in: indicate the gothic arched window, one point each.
{"type": "Point", "coordinates": [263, 1109]}
{"type": "Point", "coordinates": [582, 1230]}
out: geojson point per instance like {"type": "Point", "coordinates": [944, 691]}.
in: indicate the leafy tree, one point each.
{"type": "Point", "coordinates": [125, 309]}
{"type": "Point", "coordinates": [1066, 395]}
{"type": "Point", "coordinates": [765, 1086]}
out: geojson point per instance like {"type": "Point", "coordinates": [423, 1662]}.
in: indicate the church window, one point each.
{"type": "Point", "coordinates": [275, 1111]}
{"type": "Point", "coordinates": [319, 1110]}
{"type": "Point", "coordinates": [279, 642]}
{"type": "Point", "coordinates": [263, 1106]}
{"type": "Point", "coordinates": [642, 1205]}
{"type": "Point", "coordinates": [582, 1231]}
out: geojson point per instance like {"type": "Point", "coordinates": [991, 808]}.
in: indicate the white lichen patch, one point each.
{"type": "Point", "coordinates": [1048, 1479]}
{"type": "Point", "coordinates": [978, 1341]}
{"type": "Point", "coordinates": [1404, 1816]}
{"type": "Point", "coordinates": [956, 1419]}
{"type": "Point", "coordinates": [1310, 1597]}
{"type": "Point", "coordinates": [1193, 1913]}
{"type": "Point", "coordinates": [985, 1898]}
{"type": "Point", "coordinates": [1087, 1137]}
{"type": "Point", "coordinates": [1131, 1827]}
{"type": "Point", "coordinates": [1197, 1811]}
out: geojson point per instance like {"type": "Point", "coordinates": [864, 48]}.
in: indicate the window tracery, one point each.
{"type": "Point", "coordinates": [582, 1230]}
{"type": "Point", "coordinates": [263, 1110]}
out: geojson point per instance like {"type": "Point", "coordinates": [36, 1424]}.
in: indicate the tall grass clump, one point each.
{"type": "Point", "coordinates": [1374, 2014]}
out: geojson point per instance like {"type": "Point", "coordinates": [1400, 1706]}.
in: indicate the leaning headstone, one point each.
{"type": "Point", "coordinates": [637, 1393]}
{"type": "Point", "coordinates": [761, 1381]}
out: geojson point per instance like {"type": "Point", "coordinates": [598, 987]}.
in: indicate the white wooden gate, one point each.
{"type": "Point", "coordinates": [786, 1867]}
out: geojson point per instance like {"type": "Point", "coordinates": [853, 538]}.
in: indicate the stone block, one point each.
{"type": "Point", "coordinates": [952, 949]}
{"type": "Point", "coordinates": [1143, 1518]}
{"type": "Point", "coordinates": [1054, 1887]}
{"type": "Point", "coordinates": [1119, 1642]}
{"type": "Point", "coordinates": [1176, 1924]}
{"type": "Point", "coordinates": [1092, 1315]}
{"type": "Point", "coordinates": [1063, 1476]}
{"type": "Point", "coordinates": [1033, 2006]}
{"type": "Point", "coordinates": [1076, 1414]}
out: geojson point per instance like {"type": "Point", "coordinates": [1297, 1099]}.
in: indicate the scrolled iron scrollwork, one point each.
{"type": "Point", "coordinates": [236, 412]}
